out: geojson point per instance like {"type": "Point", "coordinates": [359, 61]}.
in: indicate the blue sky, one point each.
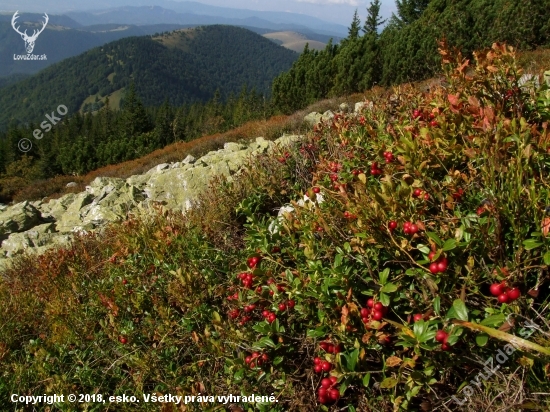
{"type": "Point", "coordinates": [335, 11]}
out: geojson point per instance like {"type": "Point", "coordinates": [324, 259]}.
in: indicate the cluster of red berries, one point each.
{"type": "Point", "coordinates": [335, 167]}
{"type": "Point", "coordinates": [348, 215]}
{"type": "Point", "coordinates": [418, 192]}
{"type": "Point", "coordinates": [374, 311]}
{"type": "Point", "coordinates": [247, 279]}
{"type": "Point", "coordinates": [283, 158]}
{"type": "Point", "coordinates": [375, 170]}
{"type": "Point", "coordinates": [457, 196]}
{"type": "Point", "coordinates": [327, 392]}
{"type": "Point", "coordinates": [356, 172]}
{"type": "Point", "coordinates": [417, 114]}
{"type": "Point", "coordinates": [256, 359]}
{"type": "Point", "coordinates": [389, 157]}
{"type": "Point", "coordinates": [440, 265]}
{"type": "Point", "coordinates": [333, 177]}
{"type": "Point", "coordinates": [288, 305]}
{"type": "Point", "coordinates": [330, 347]}
{"type": "Point", "coordinates": [442, 336]}
{"type": "Point", "coordinates": [270, 317]}
{"type": "Point", "coordinates": [254, 261]}
{"type": "Point", "coordinates": [320, 365]}
{"type": "Point", "coordinates": [410, 228]}
{"type": "Point", "coordinates": [503, 293]}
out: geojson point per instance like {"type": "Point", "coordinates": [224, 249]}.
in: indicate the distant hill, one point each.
{"type": "Point", "coordinates": [181, 66]}
{"type": "Point", "coordinates": [62, 38]}
{"type": "Point", "coordinates": [294, 41]}
{"type": "Point", "coordinates": [304, 21]}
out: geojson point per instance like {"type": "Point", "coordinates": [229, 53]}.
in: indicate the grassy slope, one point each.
{"type": "Point", "coordinates": [295, 41]}
{"type": "Point", "coordinates": [144, 308]}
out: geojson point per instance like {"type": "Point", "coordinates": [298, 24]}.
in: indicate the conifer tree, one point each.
{"type": "Point", "coordinates": [373, 20]}
{"type": "Point", "coordinates": [409, 11]}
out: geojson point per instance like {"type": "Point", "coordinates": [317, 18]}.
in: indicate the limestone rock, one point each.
{"type": "Point", "coordinates": [18, 218]}
{"type": "Point", "coordinates": [313, 118]}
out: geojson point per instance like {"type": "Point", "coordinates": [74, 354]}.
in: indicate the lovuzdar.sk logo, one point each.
{"type": "Point", "coordinates": [29, 40]}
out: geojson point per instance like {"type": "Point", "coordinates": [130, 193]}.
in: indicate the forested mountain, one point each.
{"type": "Point", "coordinates": [406, 50]}
{"type": "Point", "coordinates": [180, 67]}
{"type": "Point", "coordinates": [61, 39]}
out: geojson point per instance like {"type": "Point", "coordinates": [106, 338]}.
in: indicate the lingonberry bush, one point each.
{"type": "Point", "coordinates": [373, 294]}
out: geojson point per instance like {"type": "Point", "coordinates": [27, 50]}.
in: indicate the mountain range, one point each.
{"type": "Point", "coordinates": [182, 66]}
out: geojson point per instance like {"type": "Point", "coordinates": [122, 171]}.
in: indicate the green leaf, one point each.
{"type": "Point", "coordinates": [316, 333]}
{"type": "Point", "coordinates": [423, 248]}
{"type": "Point", "coordinates": [384, 299]}
{"type": "Point", "coordinates": [366, 380]}
{"type": "Point", "coordinates": [263, 343]}
{"type": "Point", "coordinates": [460, 309]}
{"type": "Point", "coordinates": [337, 260]}
{"type": "Point", "coordinates": [389, 288]}
{"type": "Point", "coordinates": [435, 238]}
{"type": "Point", "coordinates": [482, 339]}
{"type": "Point", "coordinates": [389, 383]}
{"type": "Point", "coordinates": [531, 244]}
{"type": "Point", "coordinates": [547, 258]}
{"type": "Point", "coordinates": [277, 360]}
{"type": "Point", "coordinates": [437, 305]}
{"type": "Point", "coordinates": [494, 320]}
{"type": "Point", "coordinates": [449, 244]}
{"type": "Point", "coordinates": [384, 276]}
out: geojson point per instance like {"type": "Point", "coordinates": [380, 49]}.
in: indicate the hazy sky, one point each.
{"type": "Point", "coordinates": [336, 11]}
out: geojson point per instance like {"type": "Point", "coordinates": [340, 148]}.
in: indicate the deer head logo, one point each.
{"type": "Point", "coordinates": [29, 40]}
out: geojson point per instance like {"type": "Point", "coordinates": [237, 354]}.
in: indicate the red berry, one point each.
{"type": "Point", "coordinates": [364, 312]}
{"type": "Point", "coordinates": [248, 359]}
{"type": "Point", "coordinates": [324, 345]}
{"type": "Point", "coordinates": [434, 123]}
{"type": "Point", "coordinates": [271, 318]}
{"type": "Point", "coordinates": [337, 349]}
{"type": "Point", "coordinates": [282, 307]}
{"type": "Point", "coordinates": [445, 346]}
{"type": "Point", "coordinates": [316, 190]}
{"type": "Point", "coordinates": [413, 229]}
{"type": "Point", "coordinates": [418, 317]}
{"type": "Point", "coordinates": [378, 306]}
{"type": "Point", "coordinates": [503, 298]}
{"type": "Point", "coordinates": [496, 289]}
{"type": "Point", "coordinates": [330, 348]}
{"type": "Point", "coordinates": [291, 304]}
{"type": "Point", "coordinates": [322, 391]}
{"type": "Point", "coordinates": [370, 303]}
{"type": "Point", "coordinates": [434, 268]}
{"type": "Point", "coordinates": [326, 366]}
{"type": "Point", "coordinates": [426, 196]}
{"type": "Point", "coordinates": [392, 225]}
{"type": "Point", "coordinates": [123, 340]}
{"type": "Point", "coordinates": [326, 383]}
{"type": "Point", "coordinates": [514, 294]}
{"type": "Point", "coordinates": [334, 394]}
{"type": "Point", "coordinates": [365, 320]}
{"type": "Point", "coordinates": [431, 256]}
{"type": "Point", "coordinates": [317, 361]}
{"type": "Point", "coordinates": [377, 315]}
{"type": "Point", "coordinates": [323, 399]}
{"type": "Point", "coordinates": [318, 368]}
{"type": "Point", "coordinates": [442, 266]}
{"type": "Point", "coordinates": [440, 335]}
{"type": "Point", "coordinates": [333, 379]}
{"type": "Point", "coordinates": [417, 192]}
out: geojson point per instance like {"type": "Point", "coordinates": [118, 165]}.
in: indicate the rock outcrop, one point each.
{"type": "Point", "coordinates": [37, 226]}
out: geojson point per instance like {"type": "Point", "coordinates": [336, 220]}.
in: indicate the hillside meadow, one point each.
{"type": "Point", "coordinates": [423, 251]}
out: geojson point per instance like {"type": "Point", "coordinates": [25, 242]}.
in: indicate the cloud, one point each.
{"type": "Point", "coordinates": [345, 2]}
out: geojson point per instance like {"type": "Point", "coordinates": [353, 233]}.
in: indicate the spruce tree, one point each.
{"type": "Point", "coordinates": [373, 20]}
{"type": "Point", "coordinates": [409, 11]}
{"type": "Point", "coordinates": [353, 31]}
